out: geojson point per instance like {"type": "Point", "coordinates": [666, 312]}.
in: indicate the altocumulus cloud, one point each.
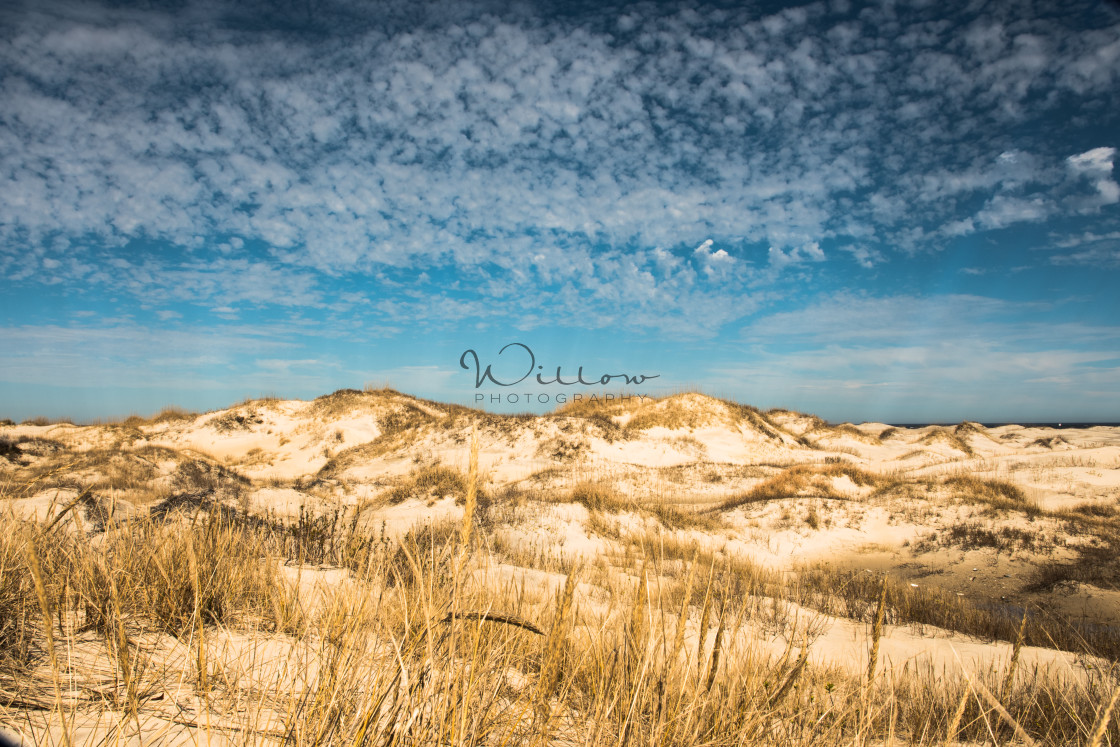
{"type": "Point", "coordinates": [236, 154]}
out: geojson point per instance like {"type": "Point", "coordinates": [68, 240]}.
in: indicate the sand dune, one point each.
{"type": "Point", "coordinates": [996, 520]}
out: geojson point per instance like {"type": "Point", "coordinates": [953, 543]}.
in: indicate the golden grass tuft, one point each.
{"type": "Point", "coordinates": [994, 493]}
{"type": "Point", "coordinates": [432, 482]}
{"type": "Point", "coordinates": [945, 436]}
{"type": "Point", "coordinates": [805, 481]}
{"type": "Point", "coordinates": [597, 496]}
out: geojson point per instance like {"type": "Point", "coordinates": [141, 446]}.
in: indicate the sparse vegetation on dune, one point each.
{"type": "Point", "coordinates": [1096, 558]}
{"type": "Point", "coordinates": [968, 428]}
{"type": "Point", "coordinates": [944, 436]}
{"type": "Point", "coordinates": [1050, 442]}
{"type": "Point", "coordinates": [994, 493]}
{"type": "Point", "coordinates": [430, 483]}
{"type": "Point", "coordinates": [441, 654]}
{"type": "Point", "coordinates": [973, 535]}
{"type": "Point", "coordinates": [173, 414]}
{"type": "Point", "coordinates": [855, 594]}
{"type": "Point", "coordinates": [808, 422]}
{"type": "Point", "coordinates": [156, 584]}
{"type": "Point", "coordinates": [850, 431]}
{"type": "Point", "coordinates": [806, 481]}
{"type": "Point", "coordinates": [685, 411]}
{"type": "Point", "coordinates": [169, 414]}
{"type": "Point", "coordinates": [601, 499]}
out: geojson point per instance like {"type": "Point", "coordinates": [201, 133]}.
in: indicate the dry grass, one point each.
{"type": "Point", "coordinates": [1096, 563]}
{"type": "Point", "coordinates": [199, 622]}
{"type": "Point", "coordinates": [947, 437]}
{"type": "Point", "coordinates": [435, 659]}
{"type": "Point", "coordinates": [596, 496]}
{"type": "Point", "coordinates": [1051, 442]}
{"type": "Point", "coordinates": [430, 483]}
{"type": "Point", "coordinates": [169, 414]}
{"type": "Point", "coordinates": [996, 494]}
{"type": "Point", "coordinates": [849, 430]}
{"type": "Point", "coordinates": [805, 481]}
{"type": "Point", "coordinates": [401, 424]}
{"type": "Point", "coordinates": [1095, 509]}
{"type": "Point", "coordinates": [601, 498]}
{"type": "Point", "coordinates": [119, 473]}
{"type": "Point", "coordinates": [681, 411]}
{"type": "Point", "coordinates": [975, 535]}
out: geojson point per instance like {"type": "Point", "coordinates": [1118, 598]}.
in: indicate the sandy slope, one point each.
{"type": "Point", "coordinates": [361, 452]}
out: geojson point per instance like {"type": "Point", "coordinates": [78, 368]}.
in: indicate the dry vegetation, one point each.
{"type": "Point", "coordinates": [421, 647]}
{"type": "Point", "coordinates": [150, 604]}
{"type": "Point", "coordinates": [944, 436]}
{"type": "Point", "coordinates": [805, 481]}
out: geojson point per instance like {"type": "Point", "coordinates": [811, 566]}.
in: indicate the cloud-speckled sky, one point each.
{"type": "Point", "coordinates": [902, 211]}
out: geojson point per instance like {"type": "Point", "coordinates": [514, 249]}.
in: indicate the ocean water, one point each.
{"type": "Point", "coordinates": [1063, 425]}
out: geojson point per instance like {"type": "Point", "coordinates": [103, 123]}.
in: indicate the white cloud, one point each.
{"type": "Point", "coordinates": [128, 354]}
{"type": "Point", "coordinates": [553, 152]}
{"type": "Point", "coordinates": [1097, 161]}
{"type": "Point", "coordinates": [808, 252]}
{"type": "Point", "coordinates": [813, 252]}
{"type": "Point", "coordinates": [1002, 211]}
{"type": "Point", "coordinates": [901, 320]}
{"type": "Point", "coordinates": [936, 358]}
{"type": "Point", "coordinates": [1096, 165]}
{"type": "Point", "coordinates": [1101, 250]}
{"type": "Point", "coordinates": [864, 256]}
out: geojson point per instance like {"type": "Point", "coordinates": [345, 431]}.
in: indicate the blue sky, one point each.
{"type": "Point", "coordinates": [900, 211]}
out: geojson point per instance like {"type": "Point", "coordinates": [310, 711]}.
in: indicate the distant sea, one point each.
{"type": "Point", "coordinates": [1063, 425]}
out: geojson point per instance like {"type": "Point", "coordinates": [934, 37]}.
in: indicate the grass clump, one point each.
{"type": "Point", "coordinates": [672, 516]}
{"type": "Point", "coordinates": [849, 430]}
{"type": "Point", "coordinates": [805, 481]}
{"type": "Point", "coordinates": [855, 594]}
{"type": "Point", "coordinates": [172, 414]}
{"type": "Point", "coordinates": [423, 552]}
{"type": "Point", "coordinates": [1095, 509]}
{"type": "Point", "coordinates": [994, 493]}
{"type": "Point", "coordinates": [231, 582]}
{"type": "Point", "coordinates": [601, 500]}
{"type": "Point", "coordinates": [430, 483]}
{"type": "Point", "coordinates": [596, 496]}
{"type": "Point", "coordinates": [1050, 442]}
{"type": "Point", "coordinates": [17, 610]}
{"type": "Point", "coordinates": [139, 571]}
{"type": "Point", "coordinates": [233, 421]}
{"type": "Point", "coordinates": [674, 413]}
{"type": "Point", "coordinates": [9, 449]}
{"type": "Point", "coordinates": [1097, 559]}
{"type": "Point", "coordinates": [947, 437]}
{"type": "Point", "coordinates": [977, 536]}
